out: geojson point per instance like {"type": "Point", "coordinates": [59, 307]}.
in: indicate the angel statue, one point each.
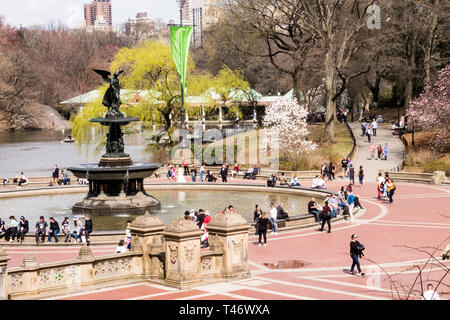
{"type": "Point", "coordinates": [111, 99]}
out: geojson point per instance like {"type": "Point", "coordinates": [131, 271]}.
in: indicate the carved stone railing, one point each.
{"type": "Point", "coordinates": [32, 280]}
{"type": "Point", "coordinates": [167, 255]}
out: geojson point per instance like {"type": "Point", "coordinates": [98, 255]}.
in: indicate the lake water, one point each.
{"type": "Point", "coordinates": [173, 205]}
{"type": "Point", "coordinates": [36, 152]}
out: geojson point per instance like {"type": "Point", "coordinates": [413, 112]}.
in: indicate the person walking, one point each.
{"type": "Point", "coordinates": [224, 172]}
{"type": "Point", "coordinates": [55, 175]}
{"type": "Point", "coordinates": [361, 175]}
{"type": "Point", "coordinates": [356, 249]}
{"type": "Point", "coordinates": [273, 218]}
{"type": "Point", "coordinates": [344, 165]}
{"type": "Point", "coordinates": [331, 169]}
{"type": "Point", "coordinates": [374, 127]}
{"type": "Point", "coordinates": [257, 214]}
{"type": "Point", "coordinates": [390, 186]}
{"type": "Point", "coordinates": [380, 183]}
{"type": "Point", "coordinates": [380, 152]}
{"type": "Point", "coordinates": [363, 127]}
{"type": "Point", "coordinates": [372, 151]}
{"type": "Point", "coordinates": [194, 174]}
{"type": "Point", "coordinates": [369, 133]}
{"type": "Point", "coordinates": [23, 229]}
{"type": "Point", "coordinates": [53, 230]}
{"type": "Point", "coordinates": [88, 227]}
{"type": "Point", "coordinates": [186, 166]}
{"type": "Point", "coordinates": [326, 216]}
{"type": "Point", "coordinates": [202, 172]}
{"type": "Point", "coordinates": [262, 228]}
{"type": "Point", "coordinates": [41, 230]}
{"type": "Point", "coordinates": [351, 204]}
{"type": "Point", "coordinates": [351, 174]}
{"type": "Point", "coordinates": [386, 151]}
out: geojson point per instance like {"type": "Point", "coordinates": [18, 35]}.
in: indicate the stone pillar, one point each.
{"type": "Point", "coordinates": [438, 177]}
{"type": "Point", "coordinates": [4, 284]}
{"type": "Point", "coordinates": [228, 232]}
{"type": "Point", "coordinates": [182, 247]}
{"type": "Point", "coordinates": [86, 261]}
{"type": "Point", "coordinates": [146, 236]}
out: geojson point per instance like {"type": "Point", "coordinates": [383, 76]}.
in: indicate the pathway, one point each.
{"type": "Point", "coordinates": [371, 167]}
{"type": "Point", "coordinates": [415, 219]}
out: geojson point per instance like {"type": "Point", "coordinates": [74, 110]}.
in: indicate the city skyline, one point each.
{"type": "Point", "coordinates": [71, 12]}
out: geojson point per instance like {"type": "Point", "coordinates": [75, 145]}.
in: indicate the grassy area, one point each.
{"type": "Point", "coordinates": [420, 158]}
{"type": "Point", "coordinates": [309, 161]}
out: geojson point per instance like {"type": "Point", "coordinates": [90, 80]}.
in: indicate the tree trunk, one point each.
{"type": "Point", "coordinates": [428, 49]}
{"type": "Point", "coordinates": [330, 89]}
{"type": "Point", "coordinates": [409, 80]}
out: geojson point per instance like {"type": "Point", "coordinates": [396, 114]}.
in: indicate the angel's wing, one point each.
{"type": "Point", "coordinates": [105, 74]}
{"type": "Point", "coordinates": [118, 73]}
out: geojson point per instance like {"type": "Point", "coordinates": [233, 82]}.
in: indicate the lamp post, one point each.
{"type": "Point", "coordinates": [398, 113]}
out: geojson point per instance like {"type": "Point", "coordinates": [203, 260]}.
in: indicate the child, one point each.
{"type": "Point", "coordinates": [128, 235]}
{"type": "Point", "coordinates": [121, 247]}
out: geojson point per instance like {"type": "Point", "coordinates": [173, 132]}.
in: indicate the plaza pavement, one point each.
{"type": "Point", "coordinates": [395, 237]}
{"type": "Point", "coordinates": [418, 218]}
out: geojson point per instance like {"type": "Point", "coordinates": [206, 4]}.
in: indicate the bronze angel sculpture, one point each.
{"type": "Point", "coordinates": [111, 99]}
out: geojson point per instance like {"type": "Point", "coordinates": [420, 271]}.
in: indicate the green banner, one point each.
{"type": "Point", "coordinates": [180, 39]}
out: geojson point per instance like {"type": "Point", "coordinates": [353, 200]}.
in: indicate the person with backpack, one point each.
{"type": "Point", "coordinates": [390, 187]}
{"type": "Point", "coordinates": [356, 252]}
{"type": "Point", "coordinates": [326, 216]}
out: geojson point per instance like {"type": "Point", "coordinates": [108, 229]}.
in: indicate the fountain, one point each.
{"type": "Point", "coordinates": [116, 184]}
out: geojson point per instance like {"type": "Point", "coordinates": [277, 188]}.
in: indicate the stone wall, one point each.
{"type": "Point", "coordinates": [166, 255]}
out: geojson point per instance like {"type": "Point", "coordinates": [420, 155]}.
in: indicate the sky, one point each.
{"type": "Point", "coordinates": [70, 12]}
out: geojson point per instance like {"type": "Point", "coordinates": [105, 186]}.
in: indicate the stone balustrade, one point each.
{"type": "Point", "coordinates": [166, 255]}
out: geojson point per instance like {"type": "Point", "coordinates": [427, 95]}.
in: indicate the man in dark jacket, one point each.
{"type": "Point", "coordinates": [281, 213]}
{"type": "Point", "coordinates": [326, 216]}
{"type": "Point", "coordinates": [88, 225]}
{"type": "Point", "coordinates": [224, 172]}
{"type": "Point", "coordinates": [54, 230]}
{"type": "Point", "coordinates": [200, 218]}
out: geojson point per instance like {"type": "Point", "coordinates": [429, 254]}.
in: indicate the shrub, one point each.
{"type": "Point", "coordinates": [439, 165]}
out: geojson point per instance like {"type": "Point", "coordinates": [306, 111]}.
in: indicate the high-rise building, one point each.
{"type": "Point", "coordinates": [185, 12]}
{"type": "Point", "coordinates": [197, 21]}
{"type": "Point", "coordinates": [98, 15]}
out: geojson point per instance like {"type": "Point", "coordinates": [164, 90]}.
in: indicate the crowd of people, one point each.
{"type": "Point", "coordinates": [16, 230]}
{"type": "Point", "coordinates": [180, 172]}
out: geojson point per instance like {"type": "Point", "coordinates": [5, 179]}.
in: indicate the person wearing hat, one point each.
{"type": "Point", "coordinates": [326, 216]}
{"type": "Point", "coordinates": [23, 229]}
{"type": "Point", "coordinates": [186, 215]}
{"type": "Point", "coordinates": [77, 228]}
{"type": "Point", "coordinates": [41, 229]}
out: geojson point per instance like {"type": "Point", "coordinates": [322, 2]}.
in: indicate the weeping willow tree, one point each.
{"type": "Point", "coordinates": [149, 69]}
